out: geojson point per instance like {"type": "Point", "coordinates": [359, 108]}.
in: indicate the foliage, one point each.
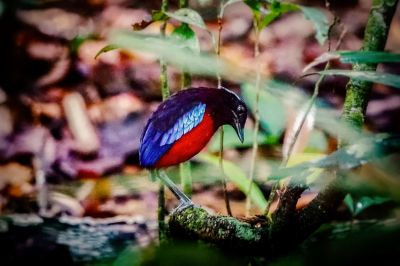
{"type": "Point", "coordinates": [272, 114]}
{"type": "Point", "coordinates": [358, 206]}
{"type": "Point", "coordinates": [238, 177]}
{"type": "Point", "coordinates": [106, 49]}
{"type": "Point", "coordinates": [266, 12]}
{"type": "Point", "coordinates": [371, 76]}
{"type": "Point", "coordinates": [188, 16]}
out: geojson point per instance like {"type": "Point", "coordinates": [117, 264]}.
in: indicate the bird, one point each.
{"type": "Point", "coordinates": [182, 126]}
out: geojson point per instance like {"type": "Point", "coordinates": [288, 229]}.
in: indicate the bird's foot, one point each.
{"type": "Point", "coordinates": [183, 205]}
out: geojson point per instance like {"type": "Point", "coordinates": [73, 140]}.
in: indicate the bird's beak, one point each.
{"type": "Point", "coordinates": [239, 130]}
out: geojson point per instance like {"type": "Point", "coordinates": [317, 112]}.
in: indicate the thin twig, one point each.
{"type": "Point", "coordinates": [311, 102]}
{"type": "Point", "coordinates": [256, 117]}
{"type": "Point", "coordinates": [221, 131]}
{"type": "Point", "coordinates": [165, 94]}
{"type": "Point", "coordinates": [184, 168]}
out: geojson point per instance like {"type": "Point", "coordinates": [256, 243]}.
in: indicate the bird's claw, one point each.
{"type": "Point", "coordinates": [183, 205]}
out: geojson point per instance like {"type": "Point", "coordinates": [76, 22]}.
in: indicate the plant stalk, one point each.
{"type": "Point", "coordinates": [256, 116]}
{"type": "Point", "coordinates": [221, 130]}
{"type": "Point", "coordinates": [161, 211]}
{"type": "Point", "coordinates": [184, 168]}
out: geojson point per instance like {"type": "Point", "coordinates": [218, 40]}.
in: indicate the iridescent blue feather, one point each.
{"type": "Point", "coordinates": [160, 135]}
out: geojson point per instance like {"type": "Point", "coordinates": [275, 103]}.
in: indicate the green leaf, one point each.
{"type": "Point", "coordinates": [186, 37]}
{"type": "Point", "coordinates": [319, 20]}
{"type": "Point", "coordinates": [368, 57]}
{"type": "Point", "coordinates": [157, 15]}
{"type": "Point", "coordinates": [231, 140]}
{"type": "Point", "coordinates": [317, 142]}
{"type": "Point", "coordinates": [276, 9]}
{"type": "Point", "coordinates": [106, 49]}
{"type": "Point", "coordinates": [271, 110]}
{"type": "Point", "coordinates": [189, 16]}
{"type": "Point", "coordinates": [255, 5]}
{"type": "Point", "coordinates": [366, 202]}
{"type": "Point", "coordinates": [238, 177]}
{"type": "Point", "coordinates": [357, 206]}
{"type": "Point", "coordinates": [371, 76]}
{"type": "Point", "coordinates": [348, 200]}
{"type": "Point", "coordinates": [78, 41]}
{"type": "Point", "coordinates": [355, 57]}
{"type": "Point", "coordinates": [361, 152]}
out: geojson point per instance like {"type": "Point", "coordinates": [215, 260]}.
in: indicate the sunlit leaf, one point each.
{"type": "Point", "coordinates": [189, 16]}
{"type": "Point", "coordinates": [371, 76]}
{"type": "Point", "coordinates": [106, 49]}
{"type": "Point", "coordinates": [271, 110]}
{"type": "Point", "coordinates": [320, 21]}
{"type": "Point", "coordinates": [238, 177]}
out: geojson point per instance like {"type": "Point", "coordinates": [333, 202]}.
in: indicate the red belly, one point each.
{"type": "Point", "coordinates": [189, 144]}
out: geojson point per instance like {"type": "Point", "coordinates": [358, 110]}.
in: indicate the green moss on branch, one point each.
{"type": "Point", "coordinates": [375, 36]}
{"type": "Point", "coordinates": [225, 231]}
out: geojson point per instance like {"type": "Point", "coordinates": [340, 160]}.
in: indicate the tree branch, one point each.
{"type": "Point", "coordinates": [260, 236]}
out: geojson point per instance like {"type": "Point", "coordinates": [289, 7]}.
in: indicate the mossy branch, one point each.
{"type": "Point", "coordinates": [272, 238]}
{"type": "Point", "coordinates": [375, 36]}
{"type": "Point", "coordinates": [228, 232]}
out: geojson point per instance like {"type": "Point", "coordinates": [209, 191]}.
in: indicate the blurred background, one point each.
{"type": "Point", "coordinates": [71, 188]}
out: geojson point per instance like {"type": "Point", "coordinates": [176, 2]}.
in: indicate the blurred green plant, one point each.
{"type": "Point", "coordinates": [238, 177]}
{"type": "Point", "coordinates": [357, 206]}
{"type": "Point", "coordinates": [371, 76]}
{"type": "Point", "coordinates": [355, 57]}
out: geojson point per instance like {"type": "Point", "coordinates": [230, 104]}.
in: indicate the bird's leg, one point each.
{"type": "Point", "coordinates": [184, 200]}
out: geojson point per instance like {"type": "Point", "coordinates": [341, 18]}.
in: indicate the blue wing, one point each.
{"type": "Point", "coordinates": [156, 140]}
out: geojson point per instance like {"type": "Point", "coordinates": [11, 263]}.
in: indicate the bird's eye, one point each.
{"type": "Point", "coordinates": [240, 109]}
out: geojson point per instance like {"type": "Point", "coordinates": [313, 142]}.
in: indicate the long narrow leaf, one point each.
{"type": "Point", "coordinates": [368, 57]}
{"type": "Point", "coordinates": [351, 57]}
{"type": "Point", "coordinates": [372, 76]}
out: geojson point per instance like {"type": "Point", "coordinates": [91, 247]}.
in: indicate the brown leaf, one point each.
{"type": "Point", "coordinates": [141, 25]}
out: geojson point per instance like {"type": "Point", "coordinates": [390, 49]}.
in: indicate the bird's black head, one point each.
{"type": "Point", "coordinates": [230, 109]}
